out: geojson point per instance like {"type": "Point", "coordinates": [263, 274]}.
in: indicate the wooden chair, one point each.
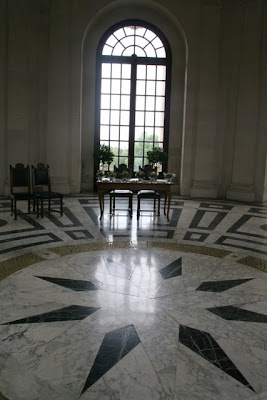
{"type": "Point", "coordinates": [42, 189]}
{"type": "Point", "coordinates": [148, 195]}
{"type": "Point", "coordinates": [20, 187]}
{"type": "Point", "coordinates": [120, 193]}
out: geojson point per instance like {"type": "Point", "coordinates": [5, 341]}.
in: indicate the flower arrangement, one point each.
{"type": "Point", "coordinates": [153, 175]}
{"type": "Point", "coordinates": [125, 174]}
{"type": "Point", "coordinates": [99, 174]}
{"type": "Point", "coordinates": [140, 175]}
{"type": "Point", "coordinates": [169, 175]}
{"type": "Point", "coordinates": [111, 174]}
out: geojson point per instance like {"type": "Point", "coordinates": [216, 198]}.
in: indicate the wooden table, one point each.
{"type": "Point", "coordinates": [106, 186]}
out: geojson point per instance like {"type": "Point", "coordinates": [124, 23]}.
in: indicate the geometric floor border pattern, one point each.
{"type": "Point", "coordinates": [14, 264]}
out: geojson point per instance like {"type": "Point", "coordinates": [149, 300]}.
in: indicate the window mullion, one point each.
{"type": "Point", "coordinates": [132, 114]}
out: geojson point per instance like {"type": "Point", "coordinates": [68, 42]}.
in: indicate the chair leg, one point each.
{"type": "Point", "coordinates": [12, 207]}
{"type": "Point", "coordinates": [113, 205]}
{"type": "Point", "coordinates": [61, 206]}
{"type": "Point", "coordinates": [15, 209]}
{"type": "Point", "coordinates": [131, 206]}
{"type": "Point", "coordinates": [49, 205]}
{"type": "Point", "coordinates": [37, 206]}
{"type": "Point", "coordinates": [158, 206]}
{"type": "Point", "coordinates": [42, 208]}
{"type": "Point", "coordinates": [138, 207]}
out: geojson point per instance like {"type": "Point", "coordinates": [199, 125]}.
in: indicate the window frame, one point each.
{"type": "Point", "coordinates": [133, 61]}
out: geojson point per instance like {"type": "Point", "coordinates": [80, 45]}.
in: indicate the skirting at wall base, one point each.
{"type": "Point", "coordinates": [207, 189]}
{"type": "Point", "coordinates": [61, 185]}
{"type": "Point", "coordinates": [241, 192]}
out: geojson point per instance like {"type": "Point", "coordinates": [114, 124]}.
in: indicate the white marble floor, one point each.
{"type": "Point", "coordinates": [129, 310]}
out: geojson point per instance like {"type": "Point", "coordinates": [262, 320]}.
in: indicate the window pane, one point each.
{"type": "Point", "coordinates": [126, 71]}
{"type": "Point", "coordinates": [160, 103]}
{"type": "Point", "coordinates": [112, 41]}
{"type": "Point", "coordinates": [114, 133]}
{"type": "Point", "coordinates": [150, 103]}
{"type": "Point", "coordinates": [105, 86]}
{"type": "Point", "coordinates": [114, 147]}
{"type": "Point", "coordinates": [125, 116]}
{"type": "Point", "coordinates": [105, 101]}
{"type": "Point", "coordinates": [140, 102]}
{"type": "Point", "coordinates": [150, 118]}
{"type": "Point", "coordinates": [151, 72]}
{"type": "Point", "coordinates": [117, 50]}
{"type": "Point", "coordinates": [140, 30]}
{"type": "Point", "coordinates": [148, 147]}
{"type": "Point", "coordinates": [116, 70]}
{"type": "Point", "coordinates": [138, 149]}
{"type": "Point", "coordinates": [125, 102]}
{"type": "Point", "coordinates": [104, 117]}
{"type": "Point", "coordinates": [128, 52]}
{"type": "Point", "coordinates": [124, 146]}
{"type": "Point", "coordinates": [115, 86]}
{"type": "Point", "coordinates": [107, 50]}
{"type": "Point", "coordinates": [160, 88]}
{"type": "Point", "coordinates": [119, 33]}
{"type": "Point", "coordinates": [150, 51]}
{"type": "Point", "coordinates": [149, 134]}
{"type": "Point", "coordinates": [150, 87]}
{"type": "Point", "coordinates": [149, 35]}
{"type": "Point", "coordinates": [128, 41]}
{"type": "Point", "coordinates": [161, 72]}
{"type": "Point", "coordinates": [106, 70]}
{"type": "Point", "coordinates": [159, 119]}
{"type": "Point", "coordinates": [124, 133]}
{"type": "Point", "coordinates": [139, 52]}
{"type": "Point", "coordinates": [139, 118]}
{"type": "Point", "coordinates": [138, 162]}
{"type": "Point", "coordinates": [159, 134]}
{"type": "Point", "coordinates": [129, 30]}
{"type": "Point", "coordinates": [161, 52]}
{"type": "Point", "coordinates": [123, 160]}
{"type": "Point", "coordinates": [141, 72]}
{"type": "Point", "coordinates": [125, 87]}
{"type": "Point", "coordinates": [104, 132]}
{"type": "Point", "coordinates": [115, 115]}
{"type": "Point", "coordinates": [141, 42]}
{"type": "Point", "coordinates": [157, 42]}
{"type": "Point", "coordinates": [115, 101]}
{"type": "Point", "coordinates": [139, 133]}
{"type": "Point", "coordinates": [140, 87]}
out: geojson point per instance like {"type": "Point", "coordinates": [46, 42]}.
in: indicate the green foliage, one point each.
{"type": "Point", "coordinates": [157, 155]}
{"type": "Point", "coordinates": [104, 154]}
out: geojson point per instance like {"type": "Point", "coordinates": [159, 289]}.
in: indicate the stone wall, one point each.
{"type": "Point", "coordinates": [218, 126]}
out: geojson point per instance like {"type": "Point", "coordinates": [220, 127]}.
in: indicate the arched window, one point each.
{"type": "Point", "coordinates": [133, 91]}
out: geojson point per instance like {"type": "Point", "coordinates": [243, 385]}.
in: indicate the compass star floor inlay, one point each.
{"type": "Point", "coordinates": [101, 313]}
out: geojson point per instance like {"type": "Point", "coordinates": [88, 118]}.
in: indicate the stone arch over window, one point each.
{"type": "Point", "coordinates": [166, 23]}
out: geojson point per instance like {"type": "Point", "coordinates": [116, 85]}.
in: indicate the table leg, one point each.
{"type": "Point", "coordinates": [165, 202]}
{"type": "Point", "coordinates": [101, 203]}
{"type": "Point", "coordinates": [169, 195]}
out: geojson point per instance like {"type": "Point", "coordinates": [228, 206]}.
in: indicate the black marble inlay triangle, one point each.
{"type": "Point", "coordinates": [232, 313]}
{"type": "Point", "coordinates": [203, 344]}
{"type": "Point", "coordinates": [117, 269]}
{"type": "Point", "coordinates": [71, 313]}
{"type": "Point", "coordinates": [173, 269]}
{"type": "Point", "coordinates": [70, 283]}
{"type": "Point", "coordinates": [115, 346]}
{"type": "Point", "coordinates": [220, 286]}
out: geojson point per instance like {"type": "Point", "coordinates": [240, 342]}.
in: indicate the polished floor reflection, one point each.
{"type": "Point", "coordinates": [127, 309]}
